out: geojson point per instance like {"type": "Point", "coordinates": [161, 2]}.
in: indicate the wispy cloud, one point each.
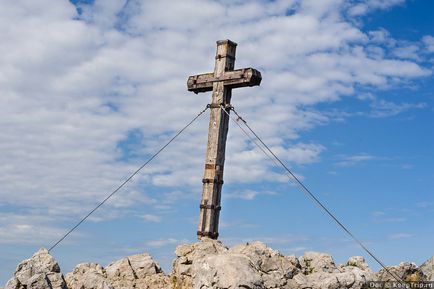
{"type": "Point", "coordinates": [383, 108]}
{"type": "Point", "coordinates": [353, 160]}
{"type": "Point", "coordinates": [399, 236]}
{"type": "Point", "coordinates": [237, 224]}
{"type": "Point", "coordinates": [298, 250]}
{"type": "Point", "coordinates": [248, 195]}
{"type": "Point", "coordinates": [159, 243]}
{"type": "Point", "coordinates": [384, 217]}
{"type": "Point", "coordinates": [366, 6]}
{"type": "Point", "coordinates": [428, 40]}
{"type": "Point", "coordinates": [377, 214]}
{"type": "Point", "coordinates": [151, 218]}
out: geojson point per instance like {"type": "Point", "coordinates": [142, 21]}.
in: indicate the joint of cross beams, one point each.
{"type": "Point", "coordinates": [215, 181]}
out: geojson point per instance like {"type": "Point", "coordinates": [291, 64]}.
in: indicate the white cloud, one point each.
{"type": "Point", "coordinates": [428, 40]}
{"type": "Point", "coordinates": [408, 52]}
{"type": "Point", "coordinates": [366, 6]}
{"type": "Point", "coordinates": [165, 242]}
{"type": "Point", "coordinates": [38, 230]}
{"type": "Point", "coordinates": [303, 153]}
{"type": "Point", "coordinates": [74, 87]}
{"type": "Point", "coordinates": [383, 108]}
{"type": "Point", "coordinates": [247, 195]}
{"type": "Point", "coordinates": [352, 160]}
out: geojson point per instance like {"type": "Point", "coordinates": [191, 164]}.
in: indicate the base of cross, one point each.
{"type": "Point", "coordinates": [212, 235]}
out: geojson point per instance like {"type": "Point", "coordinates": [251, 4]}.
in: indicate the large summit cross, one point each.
{"type": "Point", "coordinates": [220, 82]}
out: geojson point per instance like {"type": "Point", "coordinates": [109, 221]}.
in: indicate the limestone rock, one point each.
{"type": "Point", "coordinates": [136, 271]}
{"type": "Point", "coordinates": [315, 262]}
{"type": "Point", "coordinates": [41, 272]}
{"type": "Point", "coordinates": [357, 261]}
{"type": "Point", "coordinates": [226, 271]}
{"type": "Point", "coordinates": [406, 271]}
{"type": "Point", "coordinates": [274, 268]}
{"type": "Point", "coordinates": [88, 276]}
{"type": "Point", "coordinates": [209, 264]}
{"type": "Point", "coordinates": [353, 278]}
{"type": "Point", "coordinates": [318, 271]}
{"type": "Point", "coordinates": [187, 255]}
{"type": "Point", "coordinates": [428, 269]}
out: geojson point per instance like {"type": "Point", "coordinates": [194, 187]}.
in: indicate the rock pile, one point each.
{"type": "Point", "coordinates": [209, 264]}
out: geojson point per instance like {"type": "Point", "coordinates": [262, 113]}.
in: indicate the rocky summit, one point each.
{"type": "Point", "coordinates": [210, 264]}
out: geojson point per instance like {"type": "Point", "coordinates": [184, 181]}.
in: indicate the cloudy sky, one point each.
{"type": "Point", "coordinates": [90, 89]}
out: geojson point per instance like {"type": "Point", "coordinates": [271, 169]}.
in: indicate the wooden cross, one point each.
{"type": "Point", "coordinates": [220, 82]}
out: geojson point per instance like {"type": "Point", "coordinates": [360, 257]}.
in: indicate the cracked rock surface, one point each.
{"type": "Point", "coordinates": [210, 264]}
{"type": "Point", "coordinates": [40, 271]}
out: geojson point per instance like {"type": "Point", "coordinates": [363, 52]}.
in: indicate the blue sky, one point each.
{"type": "Point", "coordinates": [90, 89]}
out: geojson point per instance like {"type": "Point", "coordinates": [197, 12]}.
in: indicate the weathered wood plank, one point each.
{"type": "Point", "coordinates": [233, 79]}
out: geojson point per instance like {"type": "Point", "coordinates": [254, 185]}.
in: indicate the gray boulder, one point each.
{"type": "Point", "coordinates": [274, 268]}
{"type": "Point", "coordinates": [137, 271]}
{"type": "Point", "coordinates": [39, 272]}
{"type": "Point", "coordinates": [187, 255]}
{"type": "Point", "coordinates": [226, 271]}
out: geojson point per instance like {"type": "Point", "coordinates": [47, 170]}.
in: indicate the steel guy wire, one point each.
{"type": "Point", "coordinates": [293, 178]}
{"type": "Point", "coordinates": [130, 177]}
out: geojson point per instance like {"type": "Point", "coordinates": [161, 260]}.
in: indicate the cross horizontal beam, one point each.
{"type": "Point", "coordinates": [231, 79]}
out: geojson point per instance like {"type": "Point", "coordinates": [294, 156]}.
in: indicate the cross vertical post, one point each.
{"type": "Point", "coordinates": [221, 82]}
